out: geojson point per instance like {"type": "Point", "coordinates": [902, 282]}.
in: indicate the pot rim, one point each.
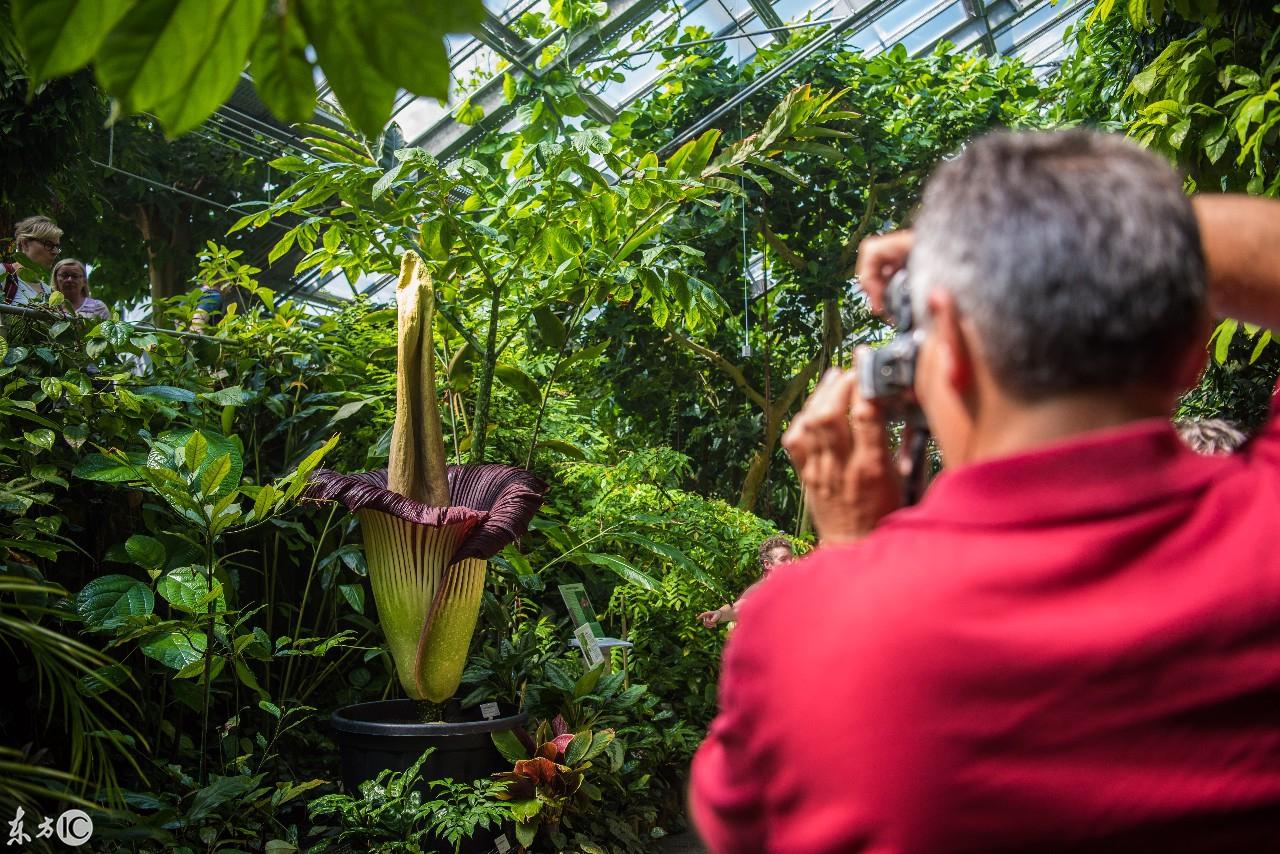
{"type": "Point", "coordinates": [343, 721]}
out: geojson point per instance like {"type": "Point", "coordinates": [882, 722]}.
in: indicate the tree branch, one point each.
{"type": "Point", "coordinates": [728, 368]}
{"type": "Point", "coordinates": [784, 251]}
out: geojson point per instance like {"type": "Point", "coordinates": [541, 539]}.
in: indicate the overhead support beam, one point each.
{"type": "Point", "coordinates": [448, 136]}
{"type": "Point", "coordinates": [764, 10]}
{"type": "Point", "coordinates": [506, 41]}
{"type": "Point", "coordinates": [978, 9]}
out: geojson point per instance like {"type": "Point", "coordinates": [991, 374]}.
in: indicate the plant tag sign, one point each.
{"type": "Point", "coordinates": [489, 710]}
{"type": "Point", "coordinates": [590, 646]}
{"type": "Point", "coordinates": [502, 844]}
{"type": "Point", "coordinates": [579, 606]}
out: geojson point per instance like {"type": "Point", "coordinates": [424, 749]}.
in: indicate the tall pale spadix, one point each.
{"type": "Point", "coordinates": [429, 529]}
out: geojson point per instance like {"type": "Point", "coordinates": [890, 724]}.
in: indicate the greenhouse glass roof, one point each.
{"type": "Point", "coordinates": [634, 35]}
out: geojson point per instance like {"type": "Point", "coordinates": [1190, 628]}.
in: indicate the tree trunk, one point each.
{"type": "Point", "coordinates": [760, 462]}
{"type": "Point", "coordinates": [167, 245]}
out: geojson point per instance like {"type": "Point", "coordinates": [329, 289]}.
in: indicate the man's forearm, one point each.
{"type": "Point", "coordinates": [1241, 238]}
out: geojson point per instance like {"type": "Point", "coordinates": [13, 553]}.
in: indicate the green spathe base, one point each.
{"type": "Point", "coordinates": [413, 585]}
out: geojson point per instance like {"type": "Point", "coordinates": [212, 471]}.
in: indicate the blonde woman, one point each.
{"type": "Point", "coordinates": [71, 279]}
{"type": "Point", "coordinates": [40, 240]}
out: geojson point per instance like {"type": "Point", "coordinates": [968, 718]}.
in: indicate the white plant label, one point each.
{"type": "Point", "coordinates": [590, 646]}
{"type": "Point", "coordinates": [502, 844]}
{"type": "Point", "coordinates": [489, 710]}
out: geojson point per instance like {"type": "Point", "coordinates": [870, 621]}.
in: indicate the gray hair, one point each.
{"type": "Point", "coordinates": [1210, 436]}
{"type": "Point", "coordinates": [1075, 254]}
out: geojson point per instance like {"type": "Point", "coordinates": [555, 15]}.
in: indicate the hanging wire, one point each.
{"type": "Point", "coordinates": [746, 257]}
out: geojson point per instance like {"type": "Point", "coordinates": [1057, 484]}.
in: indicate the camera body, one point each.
{"type": "Point", "coordinates": [890, 372]}
{"type": "Point", "coordinates": [889, 376]}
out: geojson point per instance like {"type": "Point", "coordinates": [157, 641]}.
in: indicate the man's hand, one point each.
{"type": "Point", "coordinates": [879, 257]}
{"type": "Point", "coordinates": [839, 447]}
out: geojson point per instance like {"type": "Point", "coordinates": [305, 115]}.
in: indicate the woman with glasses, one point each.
{"type": "Point", "coordinates": [71, 279]}
{"type": "Point", "coordinates": [40, 240]}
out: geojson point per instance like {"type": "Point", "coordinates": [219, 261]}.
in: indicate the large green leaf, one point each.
{"type": "Point", "coordinates": [232, 27]}
{"type": "Point", "coordinates": [166, 392]}
{"type": "Point", "coordinates": [187, 589]}
{"type": "Point", "coordinates": [106, 470]}
{"type": "Point", "coordinates": [219, 791]}
{"type": "Point", "coordinates": [111, 597]}
{"type": "Point", "coordinates": [423, 70]}
{"type": "Point", "coordinates": [622, 568]}
{"type": "Point", "coordinates": [59, 36]}
{"type": "Point", "coordinates": [146, 552]}
{"type": "Point", "coordinates": [364, 93]}
{"type": "Point", "coordinates": [168, 450]}
{"type": "Point", "coordinates": [519, 382]}
{"type": "Point", "coordinates": [281, 71]}
{"type": "Point", "coordinates": [176, 649]}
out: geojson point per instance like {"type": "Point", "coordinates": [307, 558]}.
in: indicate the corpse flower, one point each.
{"type": "Point", "coordinates": [429, 528]}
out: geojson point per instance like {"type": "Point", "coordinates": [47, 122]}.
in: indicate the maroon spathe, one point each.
{"type": "Point", "coordinates": [497, 501]}
{"type": "Point", "coordinates": [1071, 649]}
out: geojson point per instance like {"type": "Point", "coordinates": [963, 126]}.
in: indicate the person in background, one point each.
{"type": "Point", "coordinates": [1071, 643]}
{"type": "Point", "coordinates": [209, 307]}
{"type": "Point", "coordinates": [71, 279]}
{"type": "Point", "coordinates": [40, 240]}
{"type": "Point", "coordinates": [1210, 436]}
{"type": "Point", "coordinates": [774, 552]}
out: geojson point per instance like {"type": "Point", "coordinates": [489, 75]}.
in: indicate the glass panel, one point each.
{"type": "Point", "coordinates": [932, 30]}
{"type": "Point", "coordinates": [418, 115]}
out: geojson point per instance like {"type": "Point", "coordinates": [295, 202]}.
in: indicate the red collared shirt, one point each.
{"type": "Point", "coordinates": [1076, 648]}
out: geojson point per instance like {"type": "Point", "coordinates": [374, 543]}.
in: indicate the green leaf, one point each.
{"type": "Point", "coordinates": [166, 392]}
{"type": "Point", "coordinates": [219, 792]}
{"type": "Point", "coordinates": [146, 552]}
{"type": "Point", "coordinates": [622, 568]}
{"type": "Point", "coordinates": [170, 447]}
{"type": "Point", "coordinates": [526, 831]}
{"type": "Point", "coordinates": [270, 708]}
{"type": "Point", "coordinates": [187, 589]}
{"type": "Point", "coordinates": [214, 475]}
{"type": "Point", "coordinates": [587, 682]}
{"type": "Point", "coordinates": [510, 746]}
{"type": "Point", "coordinates": [354, 594]}
{"type": "Point", "coordinates": [176, 649]}
{"type": "Point", "coordinates": [578, 747]}
{"type": "Point", "coordinates": [333, 29]}
{"type": "Point", "coordinates": [519, 382]}
{"type": "Point", "coordinates": [112, 597]}
{"type": "Point", "coordinates": [233, 396]}
{"type": "Point", "coordinates": [52, 387]}
{"type": "Point", "coordinates": [178, 58]}
{"type": "Point", "coordinates": [222, 59]}
{"type": "Point", "coordinates": [282, 74]}
{"type": "Point", "coordinates": [384, 25]}
{"type": "Point", "coordinates": [523, 811]}
{"type": "Point", "coordinates": [106, 470]}
{"type": "Point", "coordinates": [59, 36]}
{"type": "Point", "coordinates": [509, 88]}
{"type": "Point", "coordinates": [468, 113]}
{"type": "Point", "coordinates": [571, 451]}
{"type": "Point", "coordinates": [42, 438]}
{"type": "Point", "coordinates": [1222, 340]}
{"type": "Point", "coordinates": [197, 448]}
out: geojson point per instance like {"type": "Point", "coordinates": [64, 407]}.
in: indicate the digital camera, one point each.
{"type": "Point", "coordinates": [889, 376]}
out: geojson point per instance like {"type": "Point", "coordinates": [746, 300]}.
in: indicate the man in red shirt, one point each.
{"type": "Point", "coordinates": [1073, 642]}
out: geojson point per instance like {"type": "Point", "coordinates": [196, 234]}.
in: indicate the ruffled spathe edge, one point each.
{"type": "Point", "coordinates": [496, 502]}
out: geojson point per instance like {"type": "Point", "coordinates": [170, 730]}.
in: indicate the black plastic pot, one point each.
{"type": "Point", "coordinates": [389, 734]}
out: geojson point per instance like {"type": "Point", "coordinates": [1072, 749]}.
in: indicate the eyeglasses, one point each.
{"type": "Point", "coordinates": [55, 248]}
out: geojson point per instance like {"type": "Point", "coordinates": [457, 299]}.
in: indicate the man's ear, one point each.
{"type": "Point", "coordinates": [955, 351]}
